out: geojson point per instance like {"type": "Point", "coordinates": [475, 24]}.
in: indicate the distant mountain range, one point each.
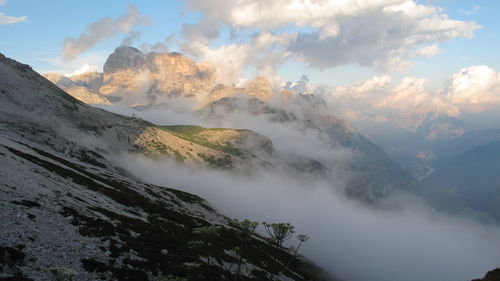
{"type": "Point", "coordinates": [134, 78]}
{"type": "Point", "coordinates": [468, 183]}
{"type": "Point", "coordinates": [438, 145]}
{"type": "Point", "coordinates": [146, 80]}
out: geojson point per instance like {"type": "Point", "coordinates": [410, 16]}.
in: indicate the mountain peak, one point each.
{"type": "Point", "coordinates": [138, 78]}
{"type": "Point", "coordinates": [124, 57]}
{"type": "Point", "coordinates": [259, 87]}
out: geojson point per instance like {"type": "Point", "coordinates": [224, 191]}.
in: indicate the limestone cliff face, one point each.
{"type": "Point", "coordinates": [153, 75]}
{"type": "Point", "coordinates": [223, 91]}
{"type": "Point", "coordinates": [91, 80]}
{"type": "Point", "coordinates": [135, 78]}
{"type": "Point", "coordinates": [178, 75]}
{"type": "Point", "coordinates": [83, 87]}
{"type": "Point", "coordinates": [259, 88]}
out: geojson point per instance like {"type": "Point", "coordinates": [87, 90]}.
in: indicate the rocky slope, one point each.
{"type": "Point", "coordinates": [370, 173]}
{"type": "Point", "coordinates": [136, 78]}
{"type": "Point", "coordinates": [66, 208]}
{"type": "Point", "coordinates": [84, 87]}
{"type": "Point", "coordinates": [206, 147]}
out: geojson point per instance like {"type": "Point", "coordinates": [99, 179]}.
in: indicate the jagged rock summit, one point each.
{"type": "Point", "coordinates": [84, 87]}
{"type": "Point", "coordinates": [132, 77]}
{"type": "Point", "coordinates": [130, 74]}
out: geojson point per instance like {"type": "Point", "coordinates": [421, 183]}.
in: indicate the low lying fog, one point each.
{"type": "Point", "coordinates": [399, 239]}
{"type": "Point", "coordinates": [403, 240]}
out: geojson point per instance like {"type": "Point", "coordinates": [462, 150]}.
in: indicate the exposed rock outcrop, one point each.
{"type": "Point", "coordinates": [135, 78]}
{"type": "Point", "coordinates": [84, 87]}
{"type": "Point", "coordinates": [143, 78]}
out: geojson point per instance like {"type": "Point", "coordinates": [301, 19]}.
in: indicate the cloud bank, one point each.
{"type": "Point", "coordinates": [472, 90]}
{"type": "Point", "coordinates": [381, 34]}
{"type": "Point", "coordinates": [478, 84]}
{"type": "Point", "coordinates": [102, 29]}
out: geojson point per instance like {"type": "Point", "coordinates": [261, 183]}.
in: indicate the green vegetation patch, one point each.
{"type": "Point", "coordinates": [193, 134]}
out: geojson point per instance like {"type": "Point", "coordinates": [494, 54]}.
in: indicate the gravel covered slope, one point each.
{"type": "Point", "coordinates": [63, 204]}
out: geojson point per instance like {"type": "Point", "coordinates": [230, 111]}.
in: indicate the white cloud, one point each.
{"type": "Point", "coordinates": [265, 52]}
{"type": "Point", "coordinates": [229, 60]}
{"type": "Point", "coordinates": [100, 30]}
{"type": "Point", "coordinates": [477, 84]}
{"type": "Point", "coordinates": [409, 94]}
{"type": "Point", "coordinates": [5, 19]}
{"type": "Point", "coordinates": [58, 65]}
{"type": "Point", "coordinates": [363, 89]}
{"type": "Point", "coordinates": [474, 10]}
{"type": "Point", "coordinates": [272, 14]}
{"type": "Point", "coordinates": [381, 37]}
{"type": "Point", "coordinates": [428, 51]}
{"type": "Point", "coordinates": [84, 68]}
{"type": "Point", "coordinates": [133, 35]}
{"type": "Point", "coordinates": [414, 105]}
{"type": "Point", "coordinates": [474, 85]}
{"type": "Point", "coordinates": [471, 91]}
{"type": "Point", "coordinates": [372, 33]}
{"type": "Point", "coordinates": [407, 104]}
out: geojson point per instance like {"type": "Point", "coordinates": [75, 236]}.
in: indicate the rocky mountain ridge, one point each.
{"type": "Point", "coordinates": [65, 207]}
{"type": "Point", "coordinates": [370, 175]}
{"type": "Point", "coordinates": [84, 87]}
{"type": "Point", "coordinates": [135, 78]}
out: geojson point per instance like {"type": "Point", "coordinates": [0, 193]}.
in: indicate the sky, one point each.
{"type": "Point", "coordinates": [34, 32]}
{"type": "Point", "coordinates": [397, 55]}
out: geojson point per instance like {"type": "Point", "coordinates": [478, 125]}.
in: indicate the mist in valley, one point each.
{"type": "Point", "coordinates": [397, 238]}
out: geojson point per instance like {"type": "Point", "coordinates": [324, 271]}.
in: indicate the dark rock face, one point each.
{"type": "Point", "coordinates": [11, 258]}
{"type": "Point", "coordinates": [493, 275]}
{"type": "Point", "coordinates": [124, 58]}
